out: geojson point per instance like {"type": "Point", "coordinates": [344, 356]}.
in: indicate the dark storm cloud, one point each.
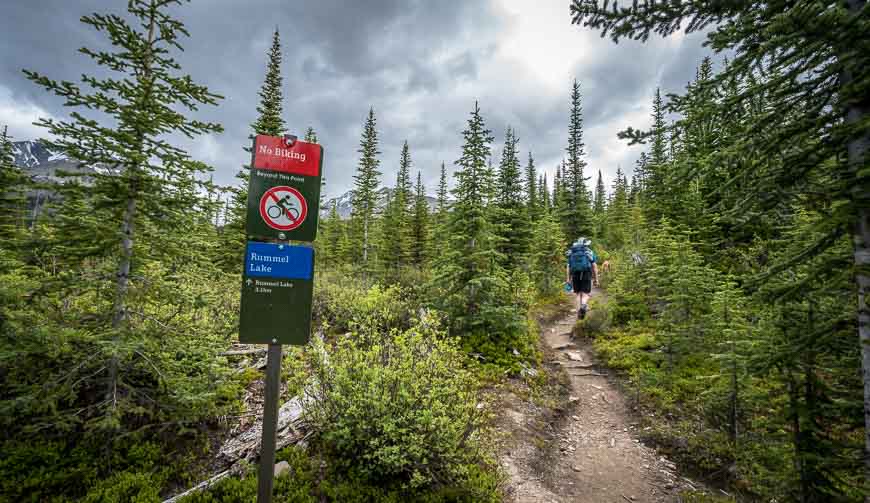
{"type": "Point", "coordinates": [420, 64]}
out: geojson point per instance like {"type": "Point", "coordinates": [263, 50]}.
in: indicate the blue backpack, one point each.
{"type": "Point", "coordinates": [580, 258]}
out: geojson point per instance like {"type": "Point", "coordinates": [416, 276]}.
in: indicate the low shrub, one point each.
{"type": "Point", "coordinates": [346, 306]}
{"type": "Point", "coordinates": [400, 411]}
{"type": "Point", "coordinates": [629, 307]}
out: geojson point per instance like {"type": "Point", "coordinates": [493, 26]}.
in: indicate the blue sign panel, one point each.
{"type": "Point", "coordinates": [279, 261]}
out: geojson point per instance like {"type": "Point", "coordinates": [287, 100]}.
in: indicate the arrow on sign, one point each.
{"type": "Point", "coordinates": [249, 281]}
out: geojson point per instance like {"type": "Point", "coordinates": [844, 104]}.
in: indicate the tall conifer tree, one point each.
{"type": "Point", "coordinates": [310, 135]}
{"type": "Point", "coordinates": [366, 181]}
{"type": "Point", "coordinates": [532, 202]}
{"type": "Point", "coordinates": [617, 215]}
{"type": "Point", "coordinates": [12, 201]}
{"type": "Point", "coordinates": [269, 121]}
{"type": "Point", "coordinates": [511, 216]}
{"type": "Point", "coordinates": [441, 208]}
{"type": "Point", "coordinates": [395, 246]}
{"type": "Point", "coordinates": [472, 284]}
{"type": "Point", "coordinates": [544, 191]}
{"type": "Point", "coordinates": [420, 225]}
{"type": "Point", "coordinates": [600, 204]}
{"type": "Point", "coordinates": [577, 210]}
{"type": "Point", "coordinates": [127, 213]}
{"type": "Point", "coordinates": [657, 166]}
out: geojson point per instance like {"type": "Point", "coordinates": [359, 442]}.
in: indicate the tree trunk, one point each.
{"type": "Point", "coordinates": [794, 407]}
{"type": "Point", "coordinates": [856, 112]}
{"type": "Point", "coordinates": [119, 308]}
{"type": "Point", "coordinates": [365, 247]}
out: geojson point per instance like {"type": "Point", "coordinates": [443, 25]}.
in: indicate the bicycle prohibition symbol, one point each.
{"type": "Point", "coordinates": [283, 208]}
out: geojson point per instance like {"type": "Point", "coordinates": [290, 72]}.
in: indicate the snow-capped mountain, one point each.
{"type": "Point", "coordinates": [32, 153]}
{"type": "Point", "coordinates": [41, 163]}
{"type": "Point", "coordinates": [344, 205]}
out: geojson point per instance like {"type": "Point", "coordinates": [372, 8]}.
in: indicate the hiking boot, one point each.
{"type": "Point", "coordinates": [581, 313]}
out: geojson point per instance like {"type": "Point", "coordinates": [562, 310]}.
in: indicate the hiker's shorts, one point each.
{"type": "Point", "coordinates": [582, 281]}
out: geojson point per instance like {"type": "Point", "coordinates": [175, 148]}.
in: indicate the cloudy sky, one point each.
{"type": "Point", "coordinates": [420, 64]}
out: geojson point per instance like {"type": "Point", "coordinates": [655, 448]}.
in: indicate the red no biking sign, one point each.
{"type": "Point", "coordinates": [283, 208]}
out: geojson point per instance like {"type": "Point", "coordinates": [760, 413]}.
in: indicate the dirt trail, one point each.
{"type": "Point", "coordinates": [587, 452]}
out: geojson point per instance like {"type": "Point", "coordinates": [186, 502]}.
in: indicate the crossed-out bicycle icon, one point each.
{"type": "Point", "coordinates": [286, 206]}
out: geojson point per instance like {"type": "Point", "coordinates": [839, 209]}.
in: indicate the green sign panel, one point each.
{"type": "Point", "coordinates": [282, 206]}
{"type": "Point", "coordinates": [277, 289]}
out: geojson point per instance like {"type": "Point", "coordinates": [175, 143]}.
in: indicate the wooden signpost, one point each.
{"type": "Point", "coordinates": [278, 279]}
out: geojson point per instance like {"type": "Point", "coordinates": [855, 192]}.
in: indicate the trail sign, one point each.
{"type": "Point", "coordinates": [277, 285]}
{"type": "Point", "coordinates": [298, 158]}
{"type": "Point", "coordinates": [284, 189]}
{"type": "Point", "coordinates": [277, 290]}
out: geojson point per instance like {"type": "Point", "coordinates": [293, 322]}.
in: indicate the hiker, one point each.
{"type": "Point", "coordinates": [581, 272]}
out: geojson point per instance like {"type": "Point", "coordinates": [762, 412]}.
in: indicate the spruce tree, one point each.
{"type": "Point", "coordinates": [532, 198]}
{"type": "Point", "coordinates": [600, 201]}
{"type": "Point", "coordinates": [395, 247]}
{"type": "Point", "coordinates": [310, 135]}
{"type": "Point", "coordinates": [562, 197]}
{"type": "Point", "coordinates": [544, 191]}
{"type": "Point", "coordinates": [511, 218]}
{"type": "Point", "coordinates": [268, 122]}
{"type": "Point", "coordinates": [131, 212]}
{"type": "Point", "coordinates": [331, 227]}
{"type": "Point", "coordinates": [13, 182]}
{"type": "Point", "coordinates": [420, 225]}
{"type": "Point", "coordinates": [440, 218]}
{"type": "Point", "coordinates": [366, 181]}
{"type": "Point", "coordinates": [471, 283]}
{"type": "Point", "coordinates": [600, 204]}
{"type": "Point", "coordinates": [577, 210]}
{"type": "Point", "coordinates": [618, 214]}
{"type": "Point", "coordinates": [547, 256]}
{"type": "Point", "coordinates": [441, 208]}
{"type": "Point", "coordinates": [657, 168]}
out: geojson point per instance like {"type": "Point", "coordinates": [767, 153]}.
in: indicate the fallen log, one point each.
{"type": "Point", "coordinates": [246, 446]}
{"type": "Point", "coordinates": [199, 487]}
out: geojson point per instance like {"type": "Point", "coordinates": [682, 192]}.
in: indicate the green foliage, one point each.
{"type": "Point", "coordinates": [510, 213]}
{"type": "Point", "coordinates": [547, 254]}
{"type": "Point", "coordinates": [532, 188]}
{"type": "Point", "coordinates": [310, 135]}
{"type": "Point", "coordinates": [394, 250]}
{"type": "Point", "coordinates": [420, 226]}
{"type": "Point", "coordinates": [233, 237]}
{"type": "Point", "coordinates": [366, 182]}
{"type": "Point", "coordinates": [270, 122]}
{"type": "Point", "coordinates": [470, 284]}
{"type": "Point", "coordinates": [576, 207]}
{"type": "Point", "coordinates": [13, 183]}
{"type": "Point", "coordinates": [123, 487]}
{"type": "Point", "coordinates": [398, 410]}
{"type": "Point", "coordinates": [617, 216]}
{"type": "Point", "coordinates": [300, 484]}
{"type": "Point", "coordinates": [599, 203]}
{"type": "Point", "coordinates": [347, 307]}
